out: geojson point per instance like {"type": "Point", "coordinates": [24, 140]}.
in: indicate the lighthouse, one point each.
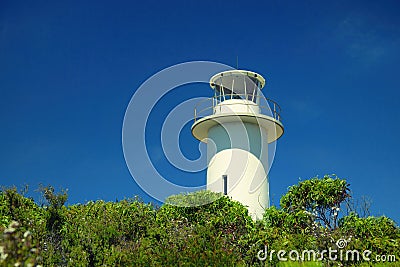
{"type": "Point", "coordinates": [237, 123]}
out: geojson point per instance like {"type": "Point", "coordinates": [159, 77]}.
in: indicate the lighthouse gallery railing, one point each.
{"type": "Point", "coordinates": [207, 107]}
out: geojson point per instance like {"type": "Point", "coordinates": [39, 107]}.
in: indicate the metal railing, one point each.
{"type": "Point", "coordinates": [208, 106]}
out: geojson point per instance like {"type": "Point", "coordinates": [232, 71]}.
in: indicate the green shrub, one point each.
{"type": "Point", "coordinates": [181, 232]}
{"type": "Point", "coordinates": [17, 247]}
{"type": "Point", "coordinates": [321, 198]}
{"type": "Point", "coordinates": [380, 235]}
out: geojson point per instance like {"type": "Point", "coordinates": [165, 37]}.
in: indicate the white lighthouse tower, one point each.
{"type": "Point", "coordinates": [237, 124]}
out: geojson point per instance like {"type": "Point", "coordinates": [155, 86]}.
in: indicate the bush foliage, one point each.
{"type": "Point", "coordinates": [218, 233]}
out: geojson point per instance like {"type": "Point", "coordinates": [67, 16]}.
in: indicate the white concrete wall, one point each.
{"type": "Point", "coordinates": [237, 106]}
{"type": "Point", "coordinates": [240, 151]}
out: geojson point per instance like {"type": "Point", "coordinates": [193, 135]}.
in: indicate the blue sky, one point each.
{"type": "Point", "coordinates": [68, 70]}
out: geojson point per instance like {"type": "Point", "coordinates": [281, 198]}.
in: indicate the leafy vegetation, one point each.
{"type": "Point", "coordinates": [218, 233]}
{"type": "Point", "coordinates": [321, 198]}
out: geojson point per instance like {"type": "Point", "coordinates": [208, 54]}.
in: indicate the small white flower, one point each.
{"type": "Point", "coordinates": [9, 230]}
{"type": "Point", "coordinates": [12, 227]}
{"type": "Point", "coordinates": [3, 256]}
{"type": "Point", "coordinates": [26, 234]}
